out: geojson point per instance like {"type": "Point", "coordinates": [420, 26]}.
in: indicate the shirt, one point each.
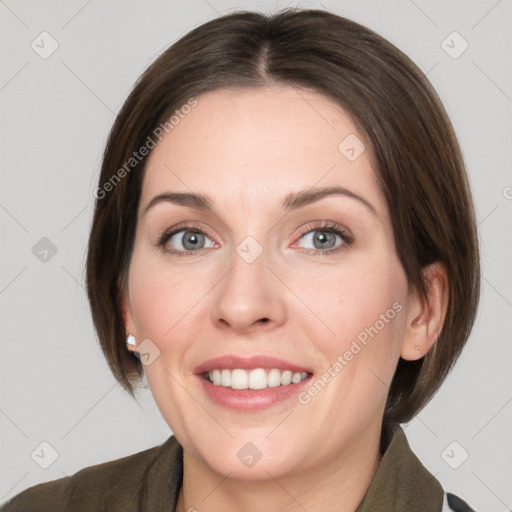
{"type": "Point", "coordinates": [150, 481]}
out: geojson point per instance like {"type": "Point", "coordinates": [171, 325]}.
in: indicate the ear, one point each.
{"type": "Point", "coordinates": [426, 315]}
{"type": "Point", "coordinates": [129, 322]}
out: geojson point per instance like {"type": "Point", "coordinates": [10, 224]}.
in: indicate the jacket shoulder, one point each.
{"type": "Point", "coordinates": [453, 503]}
{"type": "Point", "coordinates": [40, 497]}
{"type": "Point", "coordinates": [118, 483]}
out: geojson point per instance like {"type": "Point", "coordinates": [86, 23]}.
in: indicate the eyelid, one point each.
{"type": "Point", "coordinates": [326, 225]}
{"type": "Point", "coordinates": [184, 226]}
{"type": "Point", "coordinates": [347, 239]}
{"type": "Point", "coordinates": [319, 225]}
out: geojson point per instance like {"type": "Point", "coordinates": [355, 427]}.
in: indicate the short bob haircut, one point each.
{"type": "Point", "coordinates": [415, 153]}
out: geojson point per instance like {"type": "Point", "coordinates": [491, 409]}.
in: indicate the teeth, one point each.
{"type": "Point", "coordinates": [239, 379]}
{"type": "Point", "coordinates": [259, 378]}
{"type": "Point", "coordinates": [225, 378]}
{"type": "Point", "coordinates": [216, 377]}
{"type": "Point", "coordinates": [286, 377]}
{"type": "Point", "coordinates": [274, 378]}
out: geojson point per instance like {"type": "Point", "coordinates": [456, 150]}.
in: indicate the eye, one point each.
{"type": "Point", "coordinates": [325, 239]}
{"type": "Point", "coordinates": [186, 241]}
{"type": "Point", "coordinates": [321, 239]}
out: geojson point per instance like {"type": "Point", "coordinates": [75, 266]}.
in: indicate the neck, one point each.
{"type": "Point", "coordinates": [337, 484]}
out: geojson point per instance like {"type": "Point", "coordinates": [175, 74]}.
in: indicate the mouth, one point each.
{"type": "Point", "coordinates": [259, 378]}
{"type": "Point", "coordinates": [250, 384]}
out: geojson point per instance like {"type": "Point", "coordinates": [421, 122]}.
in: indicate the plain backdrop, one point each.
{"type": "Point", "coordinates": [56, 111]}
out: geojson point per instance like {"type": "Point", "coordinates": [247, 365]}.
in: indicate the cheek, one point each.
{"type": "Point", "coordinates": [160, 297]}
{"type": "Point", "coordinates": [162, 303]}
{"type": "Point", "coordinates": [151, 305]}
{"type": "Point", "coordinates": [358, 341]}
{"type": "Point", "coordinates": [360, 306]}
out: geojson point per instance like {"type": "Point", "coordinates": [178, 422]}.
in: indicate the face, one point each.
{"type": "Point", "coordinates": [272, 313]}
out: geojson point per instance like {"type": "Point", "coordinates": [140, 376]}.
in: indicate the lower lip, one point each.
{"type": "Point", "coordinates": [250, 399]}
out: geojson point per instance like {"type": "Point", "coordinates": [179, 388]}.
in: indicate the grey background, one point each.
{"type": "Point", "coordinates": [55, 116]}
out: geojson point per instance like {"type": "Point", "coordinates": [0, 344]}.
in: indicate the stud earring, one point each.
{"type": "Point", "coordinates": [130, 341]}
{"type": "Point", "coordinates": [417, 348]}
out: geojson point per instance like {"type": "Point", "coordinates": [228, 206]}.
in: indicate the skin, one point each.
{"type": "Point", "coordinates": [247, 150]}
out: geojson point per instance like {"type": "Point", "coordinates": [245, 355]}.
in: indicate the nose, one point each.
{"type": "Point", "coordinates": [249, 298]}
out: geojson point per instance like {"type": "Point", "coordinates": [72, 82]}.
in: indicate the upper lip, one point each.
{"type": "Point", "coordinates": [231, 362]}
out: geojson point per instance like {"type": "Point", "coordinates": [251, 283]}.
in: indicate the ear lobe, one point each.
{"type": "Point", "coordinates": [426, 314]}
{"type": "Point", "coordinates": [129, 322]}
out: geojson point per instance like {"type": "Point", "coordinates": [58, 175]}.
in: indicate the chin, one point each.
{"type": "Point", "coordinates": [249, 462]}
{"type": "Point", "coordinates": [251, 454]}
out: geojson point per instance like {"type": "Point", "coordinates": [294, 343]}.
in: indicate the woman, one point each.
{"type": "Point", "coordinates": [284, 244]}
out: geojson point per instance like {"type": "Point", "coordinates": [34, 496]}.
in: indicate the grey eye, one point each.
{"type": "Point", "coordinates": [321, 239]}
{"type": "Point", "coordinates": [186, 240]}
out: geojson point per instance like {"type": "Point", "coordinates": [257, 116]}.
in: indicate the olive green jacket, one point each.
{"type": "Point", "coordinates": [150, 481]}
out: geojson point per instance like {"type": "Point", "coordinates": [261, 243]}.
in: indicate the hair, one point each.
{"type": "Point", "coordinates": [416, 156]}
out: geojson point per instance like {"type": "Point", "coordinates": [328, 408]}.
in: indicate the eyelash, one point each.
{"type": "Point", "coordinates": [187, 227]}
{"type": "Point", "coordinates": [327, 226]}
{"type": "Point", "coordinates": [330, 227]}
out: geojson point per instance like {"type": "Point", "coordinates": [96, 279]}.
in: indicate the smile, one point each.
{"type": "Point", "coordinates": [258, 378]}
{"type": "Point", "coordinates": [251, 383]}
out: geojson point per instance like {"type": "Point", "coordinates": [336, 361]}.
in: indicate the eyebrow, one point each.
{"type": "Point", "coordinates": [304, 197]}
{"type": "Point", "coordinates": [291, 202]}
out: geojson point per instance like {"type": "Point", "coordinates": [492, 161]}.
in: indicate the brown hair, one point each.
{"type": "Point", "coordinates": [415, 150]}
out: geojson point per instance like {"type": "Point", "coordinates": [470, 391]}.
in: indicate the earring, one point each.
{"type": "Point", "coordinates": [130, 341]}
{"type": "Point", "coordinates": [417, 348]}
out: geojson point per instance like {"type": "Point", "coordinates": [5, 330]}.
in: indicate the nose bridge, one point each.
{"type": "Point", "coordinates": [247, 294]}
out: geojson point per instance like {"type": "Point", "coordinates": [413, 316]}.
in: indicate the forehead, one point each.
{"type": "Point", "coordinates": [260, 142]}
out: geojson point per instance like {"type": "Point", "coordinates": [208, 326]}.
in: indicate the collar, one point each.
{"type": "Point", "coordinates": [400, 484]}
